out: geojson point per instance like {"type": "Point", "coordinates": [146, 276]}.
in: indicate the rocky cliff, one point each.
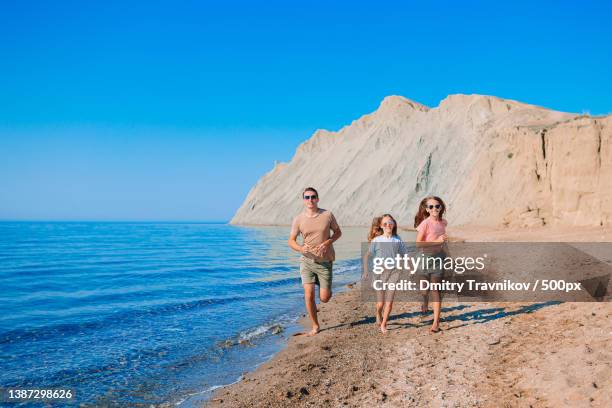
{"type": "Point", "coordinates": [495, 162]}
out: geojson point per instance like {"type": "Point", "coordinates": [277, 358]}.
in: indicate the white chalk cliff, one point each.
{"type": "Point", "coordinates": [495, 162]}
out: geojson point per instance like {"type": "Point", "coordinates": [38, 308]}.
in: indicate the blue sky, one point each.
{"type": "Point", "coordinates": [173, 110]}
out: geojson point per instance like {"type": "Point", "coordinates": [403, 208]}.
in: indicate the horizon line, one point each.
{"type": "Point", "coordinates": [123, 221]}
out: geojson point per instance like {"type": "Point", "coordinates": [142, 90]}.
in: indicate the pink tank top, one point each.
{"type": "Point", "coordinates": [432, 229]}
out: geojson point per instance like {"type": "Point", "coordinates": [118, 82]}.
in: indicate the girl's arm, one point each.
{"type": "Point", "coordinates": [365, 261]}
{"type": "Point", "coordinates": [420, 239]}
{"type": "Point", "coordinates": [403, 249]}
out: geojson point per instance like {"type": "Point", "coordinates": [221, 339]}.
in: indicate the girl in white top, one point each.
{"type": "Point", "coordinates": [387, 245]}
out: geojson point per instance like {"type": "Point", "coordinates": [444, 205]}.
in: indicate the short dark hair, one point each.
{"type": "Point", "coordinates": [310, 189]}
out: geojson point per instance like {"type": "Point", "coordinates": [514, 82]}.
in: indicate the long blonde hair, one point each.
{"type": "Point", "coordinates": [375, 229]}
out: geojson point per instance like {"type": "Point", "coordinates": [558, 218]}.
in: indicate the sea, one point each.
{"type": "Point", "coordinates": [148, 314]}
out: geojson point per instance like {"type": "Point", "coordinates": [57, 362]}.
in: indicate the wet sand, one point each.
{"type": "Point", "coordinates": [487, 354]}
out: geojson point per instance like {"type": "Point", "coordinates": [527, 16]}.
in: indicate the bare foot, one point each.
{"type": "Point", "coordinates": [383, 329]}
{"type": "Point", "coordinates": [314, 331]}
{"type": "Point", "coordinates": [434, 329]}
{"type": "Point", "coordinates": [424, 313]}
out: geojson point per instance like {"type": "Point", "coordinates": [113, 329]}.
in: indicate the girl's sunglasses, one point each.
{"type": "Point", "coordinates": [308, 197]}
{"type": "Point", "coordinates": [431, 206]}
{"type": "Point", "coordinates": [388, 224]}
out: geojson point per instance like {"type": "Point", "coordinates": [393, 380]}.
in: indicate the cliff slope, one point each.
{"type": "Point", "coordinates": [495, 162]}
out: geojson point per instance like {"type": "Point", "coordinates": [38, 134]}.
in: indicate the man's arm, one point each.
{"type": "Point", "coordinates": [293, 237]}
{"type": "Point", "coordinates": [336, 234]}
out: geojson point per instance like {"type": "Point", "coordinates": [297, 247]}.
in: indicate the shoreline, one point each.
{"type": "Point", "coordinates": [488, 354]}
{"type": "Point", "coordinates": [473, 230]}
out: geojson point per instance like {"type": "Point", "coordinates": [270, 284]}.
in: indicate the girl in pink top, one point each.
{"type": "Point", "coordinates": [431, 236]}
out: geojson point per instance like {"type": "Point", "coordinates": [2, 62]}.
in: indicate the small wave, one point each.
{"type": "Point", "coordinates": [259, 331]}
{"type": "Point", "coordinates": [203, 393]}
{"type": "Point", "coordinates": [257, 284]}
{"type": "Point", "coordinates": [275, 327]}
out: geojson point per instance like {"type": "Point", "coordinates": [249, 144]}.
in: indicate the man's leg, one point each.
{"type": "Point", "coordinates": [325, 294]}
{"type": "Point", "coordinates": [325, 281]}
{"type": "Point", "coordinates": [309, 279]}
{"type": "Point", "coordinates": [311, 307]}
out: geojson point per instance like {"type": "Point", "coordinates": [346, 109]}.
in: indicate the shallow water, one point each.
{"type": "Point", "coordinates": [147, 313]}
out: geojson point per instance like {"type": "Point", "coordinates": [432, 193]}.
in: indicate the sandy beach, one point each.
{"type": "Point", "coordinates": [487, 354]}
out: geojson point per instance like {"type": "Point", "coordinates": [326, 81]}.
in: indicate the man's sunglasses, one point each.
{"type": "Point", "coordinates": [431, 206]}
{"type": "Point", "coordinates": [310, 197]}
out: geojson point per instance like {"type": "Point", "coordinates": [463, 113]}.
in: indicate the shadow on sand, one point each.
{"type": "Point", "coordinates": [474, 317]}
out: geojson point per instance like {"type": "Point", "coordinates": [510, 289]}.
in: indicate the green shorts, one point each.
{"type": "Point", "coordinates": [318, 272]}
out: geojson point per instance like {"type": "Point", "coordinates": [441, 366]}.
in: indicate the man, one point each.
{"type": "Point", "coordinates": [315, 224]}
